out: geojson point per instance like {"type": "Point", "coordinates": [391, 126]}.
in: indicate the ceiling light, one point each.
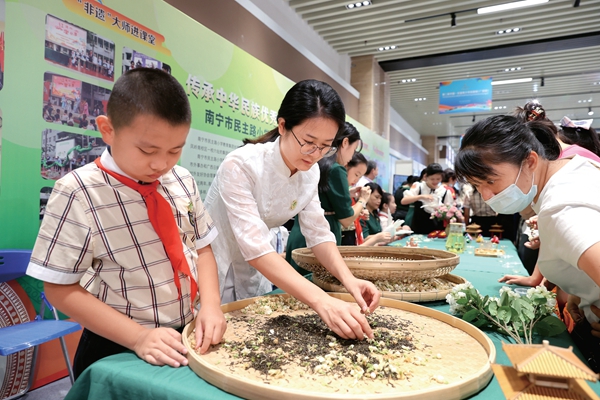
{"type": "Point", "coordinates": [590, 112]}
{"type": "Point", "coordinates": [509, 6]}
{"type": "Point", "coordinates": [358, 4]}
{"type": "Point", "coordinates": [509, 30]}
{"type": "Point", "coordinates": [508, 81]}
{"type": "Point", "coordinates": [385, 48]}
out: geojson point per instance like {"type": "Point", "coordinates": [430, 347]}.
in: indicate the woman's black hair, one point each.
{"type": "Point", "coordinates": [422, 174]}
{"type": "Point", "coordinates": [375, 188]}
{"type": "Point", "coordinates": [306, 99]}
{"type": "Point", "coordinates": [325, 163]}
{"type": "Point", "coordinates": [449, 174]}
{"type": "Point", "coordinates": [357, 159]}
{"type": "Point", "coordinates": [385, 199]}
{"type": "Point", "coordinates": [434, 168]}
{"type": "Point", "coordinates": [586, 138]}
{"type": "Point", "coordinates": [503, 139]}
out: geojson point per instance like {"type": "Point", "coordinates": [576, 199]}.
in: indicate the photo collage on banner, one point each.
{"type": "Point", "coordinates": [78, 49]}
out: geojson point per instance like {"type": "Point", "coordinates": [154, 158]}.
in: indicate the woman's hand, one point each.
{"type": "Point", "coordinates": [365, 293]}
{"type": "Point", "coordinates": [343, 318]}
{"type": "Point", "coordinates": [365, 193]}
{"type": "Point", "coordinates": [425, 197]}
{"type": "Point", "coordinates": [573, 308]}
{"type": "Point", "coordinates": [520, 280]}
{"type": "Point", "coordinates": [382, 238]}
{"type": "Point", "coordinates": [364, 214]}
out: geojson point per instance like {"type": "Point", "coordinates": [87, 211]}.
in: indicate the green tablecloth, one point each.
{"type": "Point", "coordinates": [124, 376]}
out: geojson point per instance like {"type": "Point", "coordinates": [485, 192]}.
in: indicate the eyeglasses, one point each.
{"type": "Point", "coordinates": [311, 147]}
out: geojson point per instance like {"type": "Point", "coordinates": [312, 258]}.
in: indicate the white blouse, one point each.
{"type": "Point", "coordinates": [252, 193]}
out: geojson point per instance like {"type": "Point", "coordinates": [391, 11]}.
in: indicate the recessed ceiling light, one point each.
{"type": "Point", "coordinates": [509, 30]}
{"type": "Point", "coordinates": [385, 48]}
{"type": "Point", "coordinates": [358, 4]}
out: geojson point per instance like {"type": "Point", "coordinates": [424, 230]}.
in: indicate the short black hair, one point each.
{"type": "Point", "coordinates": [434, 168]}
{"type": "Point", "coordinates": [371, 165]}
{"type": "Point", "coordinates": [148, 91]}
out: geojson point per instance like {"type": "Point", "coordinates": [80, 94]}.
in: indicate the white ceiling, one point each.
{"type": "Point", "coordinates": [556, 41]}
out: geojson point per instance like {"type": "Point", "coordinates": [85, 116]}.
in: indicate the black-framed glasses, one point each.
{"type": "Point", "coordinates": [309, 148]}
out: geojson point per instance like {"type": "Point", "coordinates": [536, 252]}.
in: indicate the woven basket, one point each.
{"type": "Point", "coordinates": [374, 263]}
{"type": "Point", "coordinates": [413, 297]}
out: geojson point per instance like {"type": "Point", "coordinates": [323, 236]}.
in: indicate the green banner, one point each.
{"type": "Point", "coordinates": [58, 62]}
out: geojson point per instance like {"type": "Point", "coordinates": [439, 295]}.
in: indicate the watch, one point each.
{"type": "Point", "coordinates": [363, 203]}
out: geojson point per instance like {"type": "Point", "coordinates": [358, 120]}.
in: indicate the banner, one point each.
{"type": "Point", "coordinates": [64, 34]}
{"type": "Point", "coordinates": [375, 148]}
{"type": "Point", "coordinates": [75, 50]}
{"type": "Point", "coordinates": [67, 87]}
{"type": "Point", "coordinates": [466, 95]}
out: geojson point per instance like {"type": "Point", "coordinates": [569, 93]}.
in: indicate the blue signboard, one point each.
{"type": "Point", "coordinates": [466, 95]}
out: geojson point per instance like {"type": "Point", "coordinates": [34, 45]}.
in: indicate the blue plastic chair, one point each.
{"type": "Point", "coordinates": [13, 264]}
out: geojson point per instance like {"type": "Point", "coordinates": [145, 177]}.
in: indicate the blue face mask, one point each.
{"type": "Point", "coordinates": [512, 200]}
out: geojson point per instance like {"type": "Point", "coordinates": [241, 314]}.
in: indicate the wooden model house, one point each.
{"type": "Point", "coordinates": [541, 372]}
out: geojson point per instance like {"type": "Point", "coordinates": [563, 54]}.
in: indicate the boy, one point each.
{"type": "Point", "coordinates": [108, 256]}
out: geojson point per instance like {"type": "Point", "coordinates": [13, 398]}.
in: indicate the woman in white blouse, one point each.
{"type": "Point", "coordinates": [270, 180]}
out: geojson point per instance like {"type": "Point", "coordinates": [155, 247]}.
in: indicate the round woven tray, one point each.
{"type": "Point", "coordinates": [374, 263]}
{"type": "Point", "coordinates": [257, 390]}
{"type": "Point", "coordinates": [413, 297]}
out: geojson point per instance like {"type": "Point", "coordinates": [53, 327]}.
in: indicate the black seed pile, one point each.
{"type": "Point", "coordinates": [283, 339]}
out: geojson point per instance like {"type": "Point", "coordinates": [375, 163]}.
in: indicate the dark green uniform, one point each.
{"type": "Point", "coordinates": [337, 205]}
{"type": "Point", "coordinates": [372, 226]}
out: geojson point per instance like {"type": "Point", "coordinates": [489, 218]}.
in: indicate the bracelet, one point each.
{"type": "Point", "coordinates": [363, 203]}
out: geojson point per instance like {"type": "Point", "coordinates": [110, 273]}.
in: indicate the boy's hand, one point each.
{"type": "Point", "coordinates": [161, 346]}
{"type": "Point", "coordinates": [210, 327]}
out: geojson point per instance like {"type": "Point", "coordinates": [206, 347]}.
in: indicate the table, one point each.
{"type": "Point", "coordinates": [125, 376]}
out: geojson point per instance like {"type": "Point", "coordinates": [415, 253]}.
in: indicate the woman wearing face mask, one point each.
{"type": "Point", "coordinates": [270, 180]}
{"type": "Point", "coordinates": [427, 192]}
{"type": "Point", "coordinates": [334, 193]}
{"type": "Point", "coordinates": [514, 165]}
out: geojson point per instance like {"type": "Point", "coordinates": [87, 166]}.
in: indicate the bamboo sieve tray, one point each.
{"type": "Point", "coordinates": [468, 384]}
{"type": "Point", "coordinates": [413, 297]}
{"type": "Point", "coordinates": [377, 262]}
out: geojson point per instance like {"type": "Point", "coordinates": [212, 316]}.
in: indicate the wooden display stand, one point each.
{"type": "Point", "coordinates": [541, 371]}
{"type": "Point", "coordinates": [496, 230]}
{"type": "Point", "coordinates": [473, 230]}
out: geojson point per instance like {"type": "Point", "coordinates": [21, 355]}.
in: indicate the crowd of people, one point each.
{"type": "Point", "coordinates": [73, 113]}
{"type": "Point", "coordinates": [94, 62]}
{"type": "Point", "coordinates": [124, 210]}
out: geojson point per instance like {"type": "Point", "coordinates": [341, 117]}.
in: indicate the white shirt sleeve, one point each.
{"type": "Point", "coordinates": [313, 225]}
{"type": "Point", "coordinates": [251, 233]}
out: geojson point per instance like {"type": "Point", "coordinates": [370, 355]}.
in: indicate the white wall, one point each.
{"type": "Point", "coordinates": [283, 20]}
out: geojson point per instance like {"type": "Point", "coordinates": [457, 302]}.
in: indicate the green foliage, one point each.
{"type": "Point", "coordinates": [519, 317]}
